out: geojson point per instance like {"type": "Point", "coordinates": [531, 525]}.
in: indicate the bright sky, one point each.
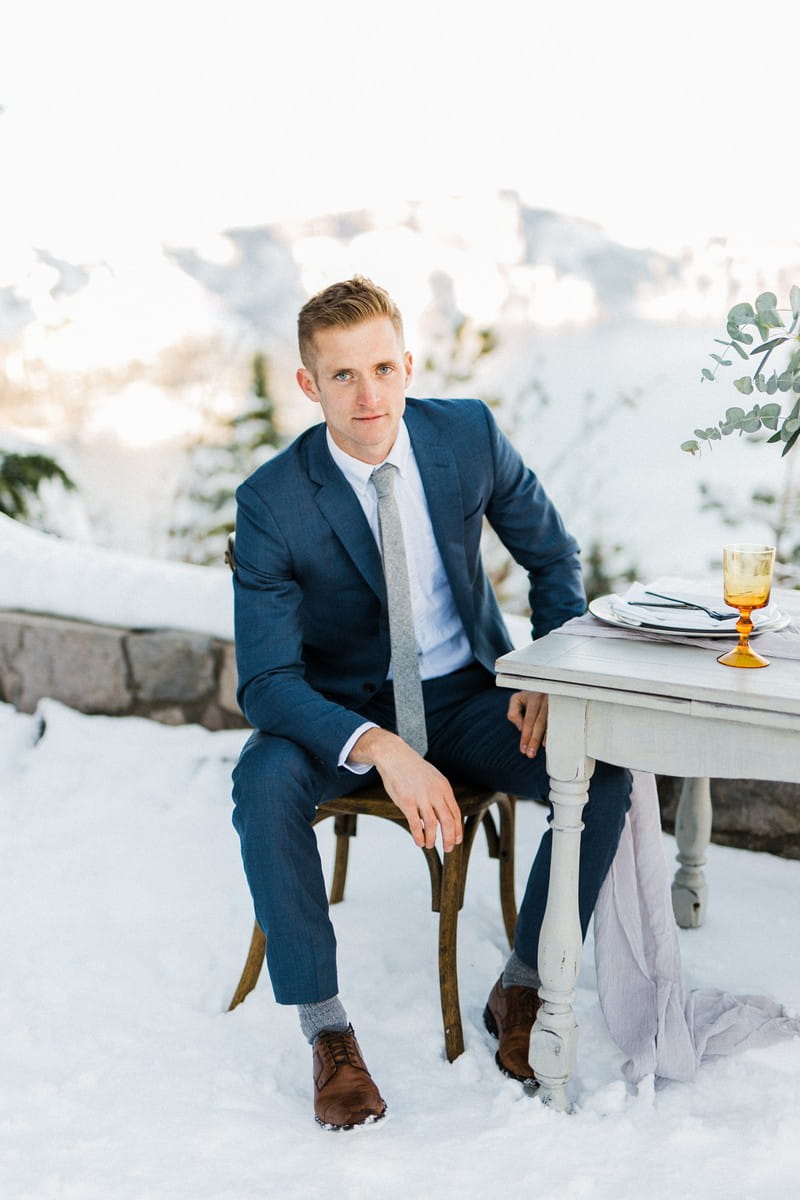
{"type": "Point", "coordinates": [169, 120]}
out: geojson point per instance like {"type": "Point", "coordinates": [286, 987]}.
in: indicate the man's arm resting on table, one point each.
{"type": "Point", "coordinates": [423, 794]}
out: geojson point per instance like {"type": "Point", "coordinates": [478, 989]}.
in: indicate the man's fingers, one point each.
{"type": "Point", "coordinates": [426, 816]}
{"type": "Point", "coordinates": [516, 710]}
{"type": "Point", "coordinates": [445, 815]}
{"type": "Point", "coordinates": [534, 726]}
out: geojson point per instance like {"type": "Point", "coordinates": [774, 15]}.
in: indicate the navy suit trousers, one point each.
{"type": "Point", "coordinates": [278, 785]}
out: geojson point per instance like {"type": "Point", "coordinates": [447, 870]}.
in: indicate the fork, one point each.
{"type": "Point", "coordinates": [676, 602]}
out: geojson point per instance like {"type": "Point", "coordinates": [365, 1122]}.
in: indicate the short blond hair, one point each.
{"type": "Point", "coordinates": [341, 305]}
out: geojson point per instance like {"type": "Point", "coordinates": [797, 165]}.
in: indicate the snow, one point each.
{"type": "Point", "coordinates": [46, 574]}
{"type": "Point", "coordinates": [126, 923]}
{"type": "Point", "coordinates": [127, 919]}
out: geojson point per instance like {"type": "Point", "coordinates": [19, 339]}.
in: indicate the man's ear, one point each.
{"type": "Point", "coordinates": [307, 384]}
{"type": "Point", "coordinates": [408, 363]}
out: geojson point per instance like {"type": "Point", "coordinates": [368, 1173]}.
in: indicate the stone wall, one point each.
{"type": "Point", "coordinates": [179, 678]}
{"type": "Point", "coordinates": [751, 814]}
{"type": "Point", "coordinates": [169, 676]}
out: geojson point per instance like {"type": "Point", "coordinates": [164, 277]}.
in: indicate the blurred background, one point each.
{"type": "Point", "coordinates": [564, 200]}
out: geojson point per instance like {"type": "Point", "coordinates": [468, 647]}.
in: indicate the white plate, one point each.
{"type": "Point", "coordinates": [601, 608]}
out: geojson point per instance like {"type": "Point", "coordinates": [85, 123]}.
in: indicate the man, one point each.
{"type": "Point", "coordinates": [324, 673]}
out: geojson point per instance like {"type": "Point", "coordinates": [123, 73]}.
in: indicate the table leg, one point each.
{"type": "Point", "coordinates": [692, 833]}
{"type": "Point", "coordinates": [554, 1038]}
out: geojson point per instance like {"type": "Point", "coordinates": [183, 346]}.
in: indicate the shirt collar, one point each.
{"type": "Point", "coordinates": [358, 473]}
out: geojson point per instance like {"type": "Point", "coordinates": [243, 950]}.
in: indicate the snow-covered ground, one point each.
{"type": "Point", "coordinates": [126, 920]}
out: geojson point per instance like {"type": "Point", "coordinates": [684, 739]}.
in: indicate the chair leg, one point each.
{"type": "Point", "coordinates": [508, 900]}
{"type": "Point", "coordinates": [344, 826]}
{"type": "Point", "coordinates": [436, 873]}
{"type": "Point", "coordinates": [252, 967]}
{"type": "Point", "coordinates": [452, 887]}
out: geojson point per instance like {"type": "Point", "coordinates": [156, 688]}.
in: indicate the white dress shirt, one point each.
{"type": "Point", "coordinates": [441, 639]}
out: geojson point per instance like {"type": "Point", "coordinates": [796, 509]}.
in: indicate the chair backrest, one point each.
{"type": "Point", "coordinates": [229, 557]}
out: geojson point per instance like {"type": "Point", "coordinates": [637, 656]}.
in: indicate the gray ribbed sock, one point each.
{"type": "Point", "coordinates": [516, 973]}
{"type": "Point", "coordinates": [327, 1014]}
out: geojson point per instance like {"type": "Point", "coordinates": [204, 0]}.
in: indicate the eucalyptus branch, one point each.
{"type": "Point", "coordinates": [764, 317]}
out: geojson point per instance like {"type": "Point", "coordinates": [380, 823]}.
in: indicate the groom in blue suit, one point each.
{"type": "Point", "coordinates": [315, 670]}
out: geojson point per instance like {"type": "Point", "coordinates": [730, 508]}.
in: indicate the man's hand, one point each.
{"type": "Point", "coordinates": [528, 712]}
{"type": "Point", "coordinates": [423, 795]}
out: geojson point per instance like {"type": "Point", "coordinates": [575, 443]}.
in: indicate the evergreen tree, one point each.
{"type": "Point", "coordinates": [258, 426]}
{"type": "Point", "coordinates": [205, 506]}
{"type": "Point", "coordinates": [21, 477]}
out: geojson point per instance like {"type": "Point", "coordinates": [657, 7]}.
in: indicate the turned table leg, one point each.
{"type": "Point", "coordinates": [554, 1038]}
{"type": "Point", "coordinates": [692, 833]}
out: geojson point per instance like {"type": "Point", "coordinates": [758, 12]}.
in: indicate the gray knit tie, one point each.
{"type": "Point", "coordinates": [408, 703]}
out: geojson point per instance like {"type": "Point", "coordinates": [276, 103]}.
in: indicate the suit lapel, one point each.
{"type": "Point", "coordinates": [440, 478]}
{"type": "Point", "coordinates": [339, 505]}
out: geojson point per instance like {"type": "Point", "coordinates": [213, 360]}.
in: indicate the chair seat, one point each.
{"type": "Point", "coordinates": [448, 875]}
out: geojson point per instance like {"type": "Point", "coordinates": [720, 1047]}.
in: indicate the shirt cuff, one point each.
{"type": "Point", "coordinates": [356, 768]}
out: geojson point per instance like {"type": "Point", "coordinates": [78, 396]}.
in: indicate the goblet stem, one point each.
{"type": "Point", "coordinates": [744, 627]}
{"type": "Point", "coordinates": [743, 655]}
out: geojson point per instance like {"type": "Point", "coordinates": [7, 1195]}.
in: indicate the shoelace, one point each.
{"type": "Point", "coordinates": [341, 1048]}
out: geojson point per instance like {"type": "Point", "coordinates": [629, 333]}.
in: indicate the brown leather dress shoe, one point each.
{"type": "Point", "coordinates": [344, 1093]}
{"type": "Point", "coordinates": [509, 1016]}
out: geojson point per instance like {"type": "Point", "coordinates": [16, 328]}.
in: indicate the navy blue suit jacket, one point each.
{"type": "Point", "coordinates": [312, 629]}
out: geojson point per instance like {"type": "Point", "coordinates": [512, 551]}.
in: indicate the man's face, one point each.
{"type": "Point", "coordinates": [359, 379]}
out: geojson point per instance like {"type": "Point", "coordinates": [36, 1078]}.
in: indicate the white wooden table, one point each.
{"type": "Point", "coordinates": [654, 706]}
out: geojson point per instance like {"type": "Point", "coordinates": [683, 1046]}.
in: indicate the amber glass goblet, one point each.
{"type": "Point", "coordinates": [747, 573]}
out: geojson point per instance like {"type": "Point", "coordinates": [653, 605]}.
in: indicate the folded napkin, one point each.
{"type": "Point", "coordinates": [628, 608]}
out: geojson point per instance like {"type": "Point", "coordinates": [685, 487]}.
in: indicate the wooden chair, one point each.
{"type": "Point", "coordinates": [448, 875]}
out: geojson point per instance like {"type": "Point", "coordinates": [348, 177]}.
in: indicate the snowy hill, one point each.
{"type": "Point", "coordinates": [256, 277]}
{"type": "Point", "coordinates": [121, 365]}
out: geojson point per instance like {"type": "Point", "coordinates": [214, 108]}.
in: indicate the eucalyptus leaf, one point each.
{"type": "Point", "coordinates": [790, 443]}
{"type": "Point", "coordinates": [723, 362]}
{"type": "Point", "coordinates": [743, 385]}
{"type": "Point", "coordinates": [778, 341]}
{"type": "Point", "coordinates": [742, 314]}
{"type": "Point", "coordinates": [794, 300]}
{"type": "Point", "coordinates": [767, 309]}
{"type": "Point", "coordinates": [770, 414]}
{"type": "Point", "coordinates": [734, 415]}
{"type": "Point", "coordinates": [742, 353]}
{"type": "Point", "coordinates": [707, 374]}
{"type": "Point", "coordinates": [738, 335]}
{"type": "Point", "coordinates": [691, 447]}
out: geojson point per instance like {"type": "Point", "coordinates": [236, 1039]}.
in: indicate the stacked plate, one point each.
{"type": "Point", "coordinates": [679, 611]}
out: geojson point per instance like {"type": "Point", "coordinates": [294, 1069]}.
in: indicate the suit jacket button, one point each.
{"type": "Point", "coordinates": [369, 688]}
